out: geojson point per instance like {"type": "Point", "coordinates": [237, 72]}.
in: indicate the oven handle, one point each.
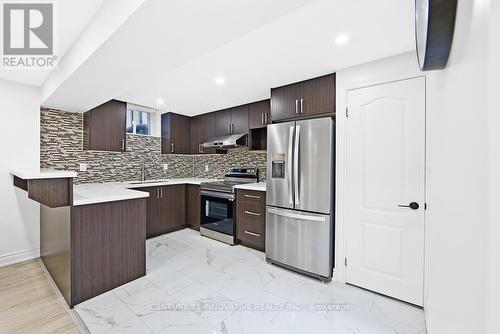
{"type": "Point", "coordinates": [217, 195]}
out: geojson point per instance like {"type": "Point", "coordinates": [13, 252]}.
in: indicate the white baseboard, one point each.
{"type": "Point", "coordinates": [17, 257]}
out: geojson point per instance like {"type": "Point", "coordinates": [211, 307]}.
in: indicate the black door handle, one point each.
{"type": "Point", "coordinates": [413, 206]}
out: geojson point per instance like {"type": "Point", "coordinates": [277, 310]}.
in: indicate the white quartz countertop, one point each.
{"type": "Point", "coordinates": [261, 186]}
{"type": "Point", "coordinates": [92, 193]}
{"type": "Point", "coordinates": [41, 173]}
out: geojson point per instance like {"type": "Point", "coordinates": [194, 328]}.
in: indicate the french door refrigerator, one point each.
{"type": "Point", "coordinates": [299, 215]}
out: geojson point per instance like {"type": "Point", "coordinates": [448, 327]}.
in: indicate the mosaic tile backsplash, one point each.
{"type": "Point", "coordinates": [61, 147]}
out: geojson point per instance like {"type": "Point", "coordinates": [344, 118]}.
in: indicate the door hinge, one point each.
{"type": "Point", "coordinates": [345, 262]}
{"type": "Point", "coordinates": [346, 112]}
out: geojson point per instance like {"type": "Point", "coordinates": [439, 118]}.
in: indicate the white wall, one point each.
{"type": "Point", "coordinates": [462, 230]}
{"type": "Point", "coordinates": [457, 193]}
{"type": "Point", "coordinates": [493, 257]}
{"type": "Point", "coordinates": [19, 147]}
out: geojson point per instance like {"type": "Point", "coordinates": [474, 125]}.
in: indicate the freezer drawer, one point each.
{"type": "Point", "coordinates": [300, 240]}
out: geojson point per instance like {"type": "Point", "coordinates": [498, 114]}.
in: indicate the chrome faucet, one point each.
{"type": "Point", "coordinates": [143, 171]}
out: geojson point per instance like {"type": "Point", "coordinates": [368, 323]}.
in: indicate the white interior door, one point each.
{"type": "Point", "coordinates": [386, 171]}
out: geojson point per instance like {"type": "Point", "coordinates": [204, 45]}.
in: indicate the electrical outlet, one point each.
{"type": "Point", "coordinates": [206, 168]}
{"type": "Point", "coordinates": [165, 166]}
{"type": "Point", "coordinates": [83, 167]}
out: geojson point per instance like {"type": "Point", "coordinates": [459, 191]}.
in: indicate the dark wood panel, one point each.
{"type": "Point", "coordinates": [51, 192]}
{"type": "Point", "coordinates": [284, 102]}
{"type": "Point", "coordinates": [318, 96]}
{"type": "Point", "coordinates": [258, 139]}
{"type": "Point", "coordinates": [55, 246]}
{"type": "Point", "coordinates": [153, 211]}
{"type": "Point", "coordinates": [239, 119]}
{"type": "Point", "coordinates": [108, 246]}
{"type": "Point", "coordinates": [251, 218]}
{"type": "Point", "coordinates": [105, 127]}
{"type": "Point", "coordinates": [202, 129]}
{"type": "Point", "coordinates": [304, 99]}
{"type": "Point", "coordinates": [193, 206]}
{"type": "Point", "coordinates": [222, 122]}
{"type": "Point", "coordinates": [20, 183]}
{"type": "Point", "coordinates": [175, 134]}
{"type": "Point", "coordinates": [258, 114]}
{"type": "Point", "coordinates": [173, 211]}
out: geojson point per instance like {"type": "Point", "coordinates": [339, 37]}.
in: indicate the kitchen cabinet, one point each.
{"type": "Point", "coordinates": [259, 114]}
{"type": "Point", "coordinates": [175, 134]}
{"type": "Point", "coordinates": [193, 206]}
{"type": "Point", "coordinates": [165, 209]}
{"type": "Point", "coordinates": [173, 204]}
{"type": "Point", "coordinates": [251, 218]}
{"type": "Point", "coordinates": [239, 119]}
{"type": "Point", "coordinates": [104, 127]}
{"type": "Point", "coordinates": [231, 121]}
{"type": "Point", "coordinates": [304, 99]}
{"type": "Point", "coordinates": [202, 129]}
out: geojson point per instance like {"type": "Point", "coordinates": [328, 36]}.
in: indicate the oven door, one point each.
{"type": "Point", "coordinates": [218, 215]}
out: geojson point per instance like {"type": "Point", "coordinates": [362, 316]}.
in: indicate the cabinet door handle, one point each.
{"type": "Point", "coordinates": [172, 147]}
{"type": "Point", "coordinates": [161, 192]}
{"type": "Point", "coordinates": [265, 118]}
{"type": "Point", "coordinates": [123, 144]}
{"type": "Point", "coordinates": [157, 192]}
{"type": "Point", "coordinates": [262, 118]}
{"type": "Point", "coordinates": [252, 196]}
{"type": "Point", "coordinates": [254, 234]}
{"type": "Point", "coordinates": [229, 128]}
{"type": "Point", "coordinates": [301, 106]}
{"type": "Point", "coordinates": [252, 213]}
{"type": "Point", "coordinates": [232, 129]}
{"type": "Point", "coordinates": [296, 107]}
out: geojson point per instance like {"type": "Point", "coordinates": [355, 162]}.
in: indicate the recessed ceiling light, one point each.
{"type": "Point", "coordinates": [220, 81]}
{"type": "Point", "coordinates": [160, 102]}
{"type": "Point", "coordinates": [342, 39]}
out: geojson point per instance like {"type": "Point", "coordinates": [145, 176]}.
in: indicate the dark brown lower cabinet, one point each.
{"type": "Point", "coordinates": [193, 206]}
{"type": "Point", "coordinates": [166, 209]}
{"type": "Point", "coordinates": [108, 247]}
{"type": "Point", "coordinates": [251, 218]}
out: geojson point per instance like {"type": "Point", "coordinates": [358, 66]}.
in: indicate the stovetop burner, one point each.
{"type": "Point", "coordinates": [232, 178]}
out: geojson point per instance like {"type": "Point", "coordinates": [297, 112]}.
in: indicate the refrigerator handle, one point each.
{"type": "Point", "coordinates": [289, 165]}
{"type": "Point", "coordinates": [294, 215]}
{"type": "Point", "coordinates": [296, 171]}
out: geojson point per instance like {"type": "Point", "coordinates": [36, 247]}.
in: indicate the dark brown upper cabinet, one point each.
{"type": "Point", "coordinates": [231, 121]}
{"type": "Point", "coordinates": [239, 119]}
{"type": "Point", "coordinates": [175, 134]}
{"type": "Point", "coordinates": [223, 122]}
{"type": "Point", "coordinates": [202, 129]}
{"type": "Point", "coordinates": [259, 114]}
{"type": "Point", "coordinates": [104, 127]}
{"type": "Point", "coordinates": [304, 99]}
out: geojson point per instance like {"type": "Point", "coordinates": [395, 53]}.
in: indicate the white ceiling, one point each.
{"type": "Point", "coordinates": [70, 19]}
{"type": "Point", "coordinates": [174, 49]}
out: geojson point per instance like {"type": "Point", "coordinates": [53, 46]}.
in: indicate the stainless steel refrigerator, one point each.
{"type": "Point", "coordinates": [300, 193]}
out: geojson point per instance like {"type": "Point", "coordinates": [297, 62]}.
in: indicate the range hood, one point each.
{"type": "Point", "coordinates": [226, 142]}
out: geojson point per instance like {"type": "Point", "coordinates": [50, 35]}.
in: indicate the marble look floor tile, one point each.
{"type": "Point", "coordinates": [130, 326]}
{"type": "Point", "coordinates": [103, 313]}
{"type": "Point", "coordinates": [247, 323]}
{"type": "Point", "coordinates": [212, 286]}
{"type": "Point", "coordinates": [170, 280]}
{"type": "Point", "coordinates": [151, 305]}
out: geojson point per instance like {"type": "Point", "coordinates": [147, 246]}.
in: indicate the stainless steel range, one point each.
{"type": "Point", "coordinates": [218, 204]}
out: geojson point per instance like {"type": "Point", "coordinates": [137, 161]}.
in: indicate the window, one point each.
{"type": "Point", "coordinates": [140, 120]}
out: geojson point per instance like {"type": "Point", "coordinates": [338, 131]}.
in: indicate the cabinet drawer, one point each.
{"type": "Point", "coordinates": [251, 218]}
